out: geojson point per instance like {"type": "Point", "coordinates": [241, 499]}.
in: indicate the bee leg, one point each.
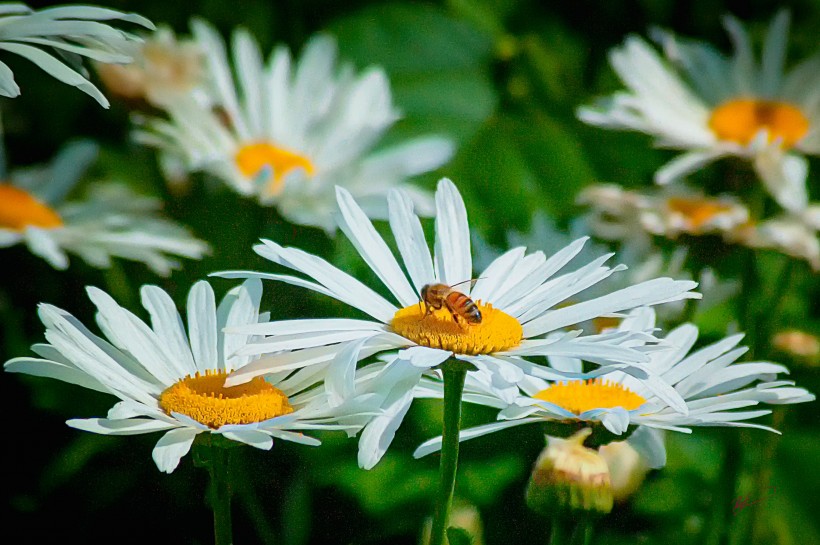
{"type": "Point", "coordinates": [429, 310]}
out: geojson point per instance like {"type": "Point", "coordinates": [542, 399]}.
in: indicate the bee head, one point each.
{"type": "Point", "coordinates": [423, 293]}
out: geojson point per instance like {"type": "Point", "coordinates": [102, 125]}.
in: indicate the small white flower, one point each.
{"type": "Point", "coordinates": [172, 382]}
{"type": "Point", "coordinates": [716, 106]}
{"type": "Point", "coordinates": [112, 221]}
{"type": "Point", "coordinates": [163, 68]}
{"type": "Point", "coordinates": [712, 385]}
{"type": "Point", "coordinates": [74, 31]}
{"type": "Point", "coordinates": [519, 297]}
{"type": "Point", "coordinates": [288, 132]}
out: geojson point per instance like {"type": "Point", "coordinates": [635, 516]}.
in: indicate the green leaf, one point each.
{"type": "Point", "coordinates": [438, 65]}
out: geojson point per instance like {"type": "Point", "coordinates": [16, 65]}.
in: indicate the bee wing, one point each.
{"type": "Point", "coordinates": [472, 282]}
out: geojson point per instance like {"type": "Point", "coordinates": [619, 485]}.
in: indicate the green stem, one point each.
{"type": "Point", "coordinates": [582, 534]}
{"type": "Point", "coordinates": [219, 493]}
{"type": "Point", "coordinates": [454, 376]}
{"type": "Point", "coordinates": [559, 533]}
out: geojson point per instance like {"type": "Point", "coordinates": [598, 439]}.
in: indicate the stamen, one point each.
{"type": "Point", "coordinates": [741, 119]}
{"type": "Point", "coordinates": [497, 331]}
{"type": "Point", "coordinates": [19, 209]}
{"type": "Point", "coordinates": [206, 399]}
{"type": "Point", "coordinates": [579, 396]}
{"type": "Point", "coordinates": [252, 158]}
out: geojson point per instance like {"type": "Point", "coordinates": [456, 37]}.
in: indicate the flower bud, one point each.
{"type": "Point", "coordinates": [627, 469]}
{"type": "Point", "coordinates": [570, 478]}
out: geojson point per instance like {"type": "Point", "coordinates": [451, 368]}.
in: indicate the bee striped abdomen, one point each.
{"type": "Point", "coordinates": [464, 307]}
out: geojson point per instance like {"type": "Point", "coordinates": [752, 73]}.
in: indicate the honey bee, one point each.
{"type": "Point", "coordinates": [461, 307]}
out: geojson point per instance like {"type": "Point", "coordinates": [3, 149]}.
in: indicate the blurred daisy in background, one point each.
{"type": "Point", "coordinates": [616, 213]}
{"type": "Point", "coordinates": [110, 221]}
{"type": "Point", "coordinates": [713, 386]}
{"type": "Point", "coordinates": [288, 132]}
{"type": "Point", "coordinates": [713, 106]}
{"type": "Point", "coordinates": [520, 298]}
{"type": "Point", "coordinates": [163, 67]}
{"type": "Point", "coordinates": [173, 382]}
{"type": "Point", "coordinates": [73, 32]}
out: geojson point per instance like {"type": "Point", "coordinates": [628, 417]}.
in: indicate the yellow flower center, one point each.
{"type": "Point", "coordinates": [206, 399]}
{"type": "Point", "coordinates": [741, 119]}
{"type": "Point", "coordinates": [19, 209]}
{"type": "Point", "coordinates": [497, 331]}
{"type": "Point", "coordinates": [252, 158]}
{"type": "Point", "coordinates": [578, 396]}
{"type": "Point", "coordinates": [697, 211]}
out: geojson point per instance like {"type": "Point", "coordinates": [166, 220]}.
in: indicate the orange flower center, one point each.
{"type": "Point", "coordinates": [19, 209]}
{"type": "Point", "coordinates": [206, 399]}
{"type": "Point", "coordinates": [497, 331]}
{"type": "Point", "coordinates": [741, 119]}
{"type": "Point", "coordinates": [252, 158]}
{"type": "Point", "coordinates": [698, 212]}
{"type": "Point", "coordinates": [579, 395]}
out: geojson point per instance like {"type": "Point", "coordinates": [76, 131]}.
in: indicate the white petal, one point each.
{"type": "Point", "coordinates": [649, 444]}
{"type": "Point", "coordinates": [172, 447]}
{"type": "Point", "coordinates": [52, 369]}
{"type": "Point", "coordinates": [254, 438]}
{"type": "Point", "coordinates": [784, 176]}
{"type": "Point", "coordinates": [410, 239]}
{"type": "Point", "coordinates": [372, 248]}
{"type": "Point", "coordinates": [131, 426]}
{"type": "Point", "coordinates": [453, 258]}
{"type": "Point", "coordinates": [202, 326]}
{"type": "Point", "coordinates": [685, 164]}
{"type": "Point", "coordinates": [434, 445]}
{"type": "Point", "coordinates": [651, 292]}
{"type": "Point", "coordinates": [167, 325]}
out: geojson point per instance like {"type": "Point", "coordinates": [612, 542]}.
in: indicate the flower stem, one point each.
{"type": "Point", "coordinates": [219, 493]}
{"type": "Point", "coordinates": [559, 532]}
{"type": "Point", "coordinates": [454, 376]}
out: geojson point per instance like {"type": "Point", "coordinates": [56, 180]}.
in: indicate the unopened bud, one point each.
{"type": "Point", "coordinates": [570, 478]}
{"type": "Point", "coordinates": [627, 469]}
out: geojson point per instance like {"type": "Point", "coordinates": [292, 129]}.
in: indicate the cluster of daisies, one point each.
{"type": "Point", "coordinates": [693, 98]}
{"type": "Point", "coordinates": [304, 135]}
{"type": "Point", "coordinates": [239, 374]}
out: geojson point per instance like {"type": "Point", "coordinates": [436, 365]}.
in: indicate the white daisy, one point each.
{"type": "Point", "coordinates": [111, 221]}
{"type": "Point", "coordinates": [708, 379]}
{"type": "Point", "coordinates": [74, 32]}
{"type": "Point", "coordinates": [519, 297]}
{"type": "Point", "coordinates": [288, 135]}
{"type": "Point", "coordinates": [163, 67]}
{"type": "Point", "coordinates": [172, 382]}
{"type": "Point", "coordinates": [716, 106]}
{"type": "Point", "coordinates": [620, 214]}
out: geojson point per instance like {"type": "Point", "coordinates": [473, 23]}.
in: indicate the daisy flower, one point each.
{"type": "Point", "coordinates": [714, 106]}
{"type": "Point", "coordinates": [292, 130]}
{"type": "Point", "coordinates": [713, 386]}
{"type": "Point", "coordinates": [74, 32]}
{"type": "Point", "coordinates": [163, 68]}
{"type": "Point", "coordinates": [617, 213]}
{"type": "Point", "coordinates": [173, 382]}
{"type": "Point", "coordinates": [111, 221]}
{"type": "Point", "coordinates": [519, 298]}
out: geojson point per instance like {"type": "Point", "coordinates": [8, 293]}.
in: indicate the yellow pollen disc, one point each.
{"type": "Point", "coordinates": [206, 399]}
{"type": "Point", "coordinates": [252, 158]}
{"type": "Point", "coordinates": [19, 209]}
{"type": "Point", "coordinates": [497, 331]}
{"type": "Point", "coordinates": [697, 211]}
{"type": "Point", "coordinates": [741, 119]}
{"type": "Point", "coordinates": [579, 396]}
